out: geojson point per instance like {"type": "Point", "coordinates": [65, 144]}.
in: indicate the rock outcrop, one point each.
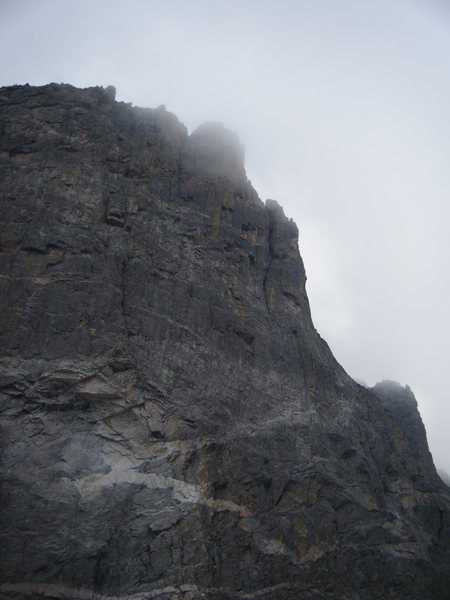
{"type": "Point", "coordinates": [172, 424]}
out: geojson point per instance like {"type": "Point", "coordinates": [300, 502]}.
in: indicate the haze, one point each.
{"type": "Point", "coordinates": [343, 108]}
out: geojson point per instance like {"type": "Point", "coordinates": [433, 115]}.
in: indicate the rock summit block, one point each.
{"type": "Point", "coordinates": [173, 426]}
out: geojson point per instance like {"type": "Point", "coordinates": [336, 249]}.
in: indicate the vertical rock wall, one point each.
{"type": "Point", "coordinates": [172, 424]}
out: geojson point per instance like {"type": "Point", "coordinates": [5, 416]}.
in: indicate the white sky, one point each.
{"type": "Point", "coordinates": [344, 109]}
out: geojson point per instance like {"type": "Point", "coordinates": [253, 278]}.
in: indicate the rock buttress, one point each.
{"type": "Point", "coordinates": [172, 424]}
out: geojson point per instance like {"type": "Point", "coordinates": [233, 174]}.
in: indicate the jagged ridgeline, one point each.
{"type": "Point", "coordinates": [173, 426]}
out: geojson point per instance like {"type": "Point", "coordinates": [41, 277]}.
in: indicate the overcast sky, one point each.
{"type": "Point", "coordinates": [344, 109]}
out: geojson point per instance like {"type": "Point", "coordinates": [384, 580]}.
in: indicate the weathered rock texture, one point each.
{"type": "Point", "coordinates": [172, 424]}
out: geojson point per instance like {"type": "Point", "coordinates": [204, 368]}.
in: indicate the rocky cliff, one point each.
{"type": "Point", "coordinates": [173, 426]}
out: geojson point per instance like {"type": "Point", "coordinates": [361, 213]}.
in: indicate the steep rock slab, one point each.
{"type": "Point", "coordinates": [172, 424]}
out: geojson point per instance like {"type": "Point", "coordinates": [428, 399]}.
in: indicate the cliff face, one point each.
{"type": "Point", "coordinates": [172, 424]}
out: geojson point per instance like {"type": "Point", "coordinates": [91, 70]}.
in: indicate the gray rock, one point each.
{"type": "Point", "coordinates": [172, 424]}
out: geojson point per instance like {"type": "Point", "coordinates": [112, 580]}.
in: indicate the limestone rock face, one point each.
{"type": "Point", "coordinates": [173, 426]}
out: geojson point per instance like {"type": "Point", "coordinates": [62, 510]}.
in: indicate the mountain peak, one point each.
{"type": "Point", "coordinates": [173, 426]}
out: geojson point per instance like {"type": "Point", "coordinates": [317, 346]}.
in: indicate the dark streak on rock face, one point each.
{"type": "Point", "coordinates": [172, 424]}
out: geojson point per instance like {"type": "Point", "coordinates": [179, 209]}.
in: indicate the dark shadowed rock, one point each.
{"type": "Point", "coordinates": [172, 424]}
